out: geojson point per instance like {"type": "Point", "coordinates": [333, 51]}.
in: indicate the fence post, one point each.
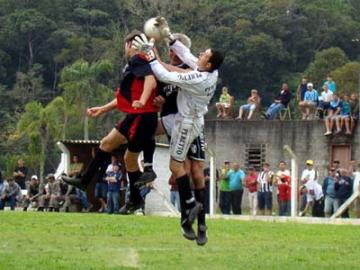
{"type": "Point", "coordinates": [294, 180]}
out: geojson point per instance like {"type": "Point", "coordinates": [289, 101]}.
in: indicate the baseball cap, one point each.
{"type": "Point", "coordinates": [50, 175]}
{"type": "Point", "coordinates": [226, 162]}
{"type": "Point", "coordinates": [309, 162]}
{"type": "Point", "coordinates": [310, 84]}
{"type": "Point", "coordinates": [34, 177]}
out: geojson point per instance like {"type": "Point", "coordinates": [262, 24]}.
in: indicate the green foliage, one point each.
{"type": "Point", "coordinates": [347, 78]}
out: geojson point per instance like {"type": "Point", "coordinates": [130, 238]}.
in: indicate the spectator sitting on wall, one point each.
{"type": "Point", "coordinates": [324, 101]}
{"type": "Point", "coordinates": [345, 114]}
{"type": "Point", "coordinates": [224, 103]}
{"type": "Point", "coordinates": [300, 92]}
{"type": "Point", "coordinates": [236, 177]}
{"type": "Point", "coordinates": [343, 189]}
{"type": "Point", "coordinates": [354, 104]}
{"type": "Point", "coordinates": [20, 173]}
{"type": "Point", "coordinates": [11, 193]}
{"type": "Point", "coordinates": [265, 190]}
{"type": "Point", "coordinates": [330, 83]}
{"type": "Point", "coordinates": [310, 101]}
{"type": "Point", "coordinates": [280, 102]}
{"type": "Point", "coordinates": [32, 196]}
{"type": "Point", "coordinates": [225, 194]}
{"type": "Point", "coordinates": [253, 103]}
{"type": "Point", "coordinates": [333, 116]}
{"type": "Point", "coordinates": [251, 185]}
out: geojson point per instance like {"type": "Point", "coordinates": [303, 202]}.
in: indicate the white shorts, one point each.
{"type": "Point", "coordinates": [183, 131]}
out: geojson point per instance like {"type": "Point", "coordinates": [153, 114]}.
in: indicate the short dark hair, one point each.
{"type": "Point", "coordinates": [130, 37]}
{"type": "Point", "coordinates": [216, 59]}
{"type": "Point", "coordinates": [266, 164]}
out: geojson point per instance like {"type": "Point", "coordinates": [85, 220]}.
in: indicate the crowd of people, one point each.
{"type": "Point", "coordinates": [317, 197]}
{"type": "Point", "coordinates": [340, 113]}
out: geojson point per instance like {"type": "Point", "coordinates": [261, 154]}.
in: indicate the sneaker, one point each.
{"type": "Point", "coordinates": [201, 238]}
{"type": "Point", "coordinates": [327, 133]}
{"type": "Point", "coordinates": [187, 230]}
{"type": "Point", "coordinates": [130, 208]}
{"type": "Point", "coordinates": [74, 181]}
{"type": "Point", "coordinates": [146, 177]}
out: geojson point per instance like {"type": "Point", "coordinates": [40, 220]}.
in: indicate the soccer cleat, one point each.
{"type": "Point", "coordinates": [201, 238]}
{"type": "Point", "coordinates": [146, 177]}
{"type": "Point", "coordinates": [187, 230]}
{"type": "Point", "coordinates": [130, 208]}
{"type": "Point", "coordinates": [74, 181]}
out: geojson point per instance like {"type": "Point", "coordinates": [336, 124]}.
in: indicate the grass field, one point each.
{"type": "Point", "coordinates": [92, 241]}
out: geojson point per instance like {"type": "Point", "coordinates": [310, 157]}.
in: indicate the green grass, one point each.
{"type": "Point", "coordinates": [92, 241]}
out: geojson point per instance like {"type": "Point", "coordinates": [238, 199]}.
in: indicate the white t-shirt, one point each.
{"type": "Point", "coordinates": [308, 175]}
{"type": "Point", "coordinates": [326, 96]}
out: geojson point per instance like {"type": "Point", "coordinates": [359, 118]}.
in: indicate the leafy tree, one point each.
{"type": "Point", "coordinates": [347, 78]}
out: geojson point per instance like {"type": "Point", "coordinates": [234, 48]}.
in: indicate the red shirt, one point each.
{"type": "Point", "coordinates": [284, 192]}
{"type": "Point", "coordinates": [251, 182]}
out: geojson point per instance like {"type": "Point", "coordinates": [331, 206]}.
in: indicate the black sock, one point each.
{"type": "Point", "coordinates": [149, 150]}
{"type": "Point", "coordinates": [135, 196]}
{"type": "Point", "coordinates": [200, 197]}
{"type": "Point", "coordinates": [94, 165]}
{"type": "Point", "coordinates": [187, 200]}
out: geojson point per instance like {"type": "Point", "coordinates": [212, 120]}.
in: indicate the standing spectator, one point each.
{"type": "Point", "coordinates": [20, 173]}
{"type": "Point", "coordinates": [236, 177]}
{"type": "Point", "coordinates": [354, 104]}
{"type": "Point", "coordinates": [284, 196]}
{"type": "Point", "coordinates": [207, 190]}
{"type": "Point", "coordinates": [11, 193]}
{"type": "Point", "coordinates": [308, 176]}
{"type": "Point", "coordinates": [336, 165]}
{"type": "Point", "coordinates": [280, 102]}
{"type": "Point", "coordinates": [333, 116]}
{"type": "Point", "coordinates": [343, 189]}
{"type": "Point", "coordinates": [251, 185]}
{"type": "Point", "coordinates": [224, 103]}
{"type": "Point", "coordinates": [265, 191]}
{"type": "Point", "coordinates": [356, 187]}
{"type": "Point", "coordinates": [225, 193]}
{"type": "Point", "coordinates": [331, 202]}
{"type": "Point", "coordinates": [52, 195]}
{"type": "Point", "coordinates": [300, 92]}
{"type": "Point", "coordinates": [113, 177]}
{"type": "Point", "coordinates": [310, 101]}
{"type": "Point", "coordinates": [32, 196]}
{"type": "Point", "coordinates": [282, 176]}
{"type": "Point", "coordinates": [174, 192]}
{"type": "Point", "coordinates": [253, 103]}
{"type": "Point", "coordinates": [324, 101]}
{"type": "Point", "coordinates": [330, 83]}
{"type": "Point", "coordinates": [345, 114]}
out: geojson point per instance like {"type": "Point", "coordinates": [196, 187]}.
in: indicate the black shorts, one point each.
{"type": "Point", "coordinates": [197, 149]}
{"type": "Point", "coordinates": [139, 130]}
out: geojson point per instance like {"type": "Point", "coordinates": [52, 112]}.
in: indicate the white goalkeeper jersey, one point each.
{"type": "Point", "coordinates": [197, 87]}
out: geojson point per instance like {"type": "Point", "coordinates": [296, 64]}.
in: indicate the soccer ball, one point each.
{"type": "Point", "coordinates": [151, 30]}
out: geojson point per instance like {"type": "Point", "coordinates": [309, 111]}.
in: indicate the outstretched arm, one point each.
{"type": "Point", "coordinates": [97, 111]}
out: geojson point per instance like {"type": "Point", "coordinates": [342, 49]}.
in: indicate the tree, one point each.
{"type": "Point", "coordinates": [347, 78]}
{"type": "Point", "coordinates": [40, 125]}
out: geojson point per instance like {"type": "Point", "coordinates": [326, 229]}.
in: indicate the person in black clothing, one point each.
{"type": "Point", "coordinates": [344, 189]}
{"type": "Point", "coordinates": [302, 89]}
{"type": "Point", "coordinates": [20, 173]}
{"type": "Point", "coordinates": [280, 102]}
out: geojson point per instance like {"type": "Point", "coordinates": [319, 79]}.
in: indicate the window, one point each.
{"type": "Point", "coordinates": [255, 156]}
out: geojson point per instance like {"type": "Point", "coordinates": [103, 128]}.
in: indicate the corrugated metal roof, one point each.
{"type": "Point", "coordinates": [80, 141]}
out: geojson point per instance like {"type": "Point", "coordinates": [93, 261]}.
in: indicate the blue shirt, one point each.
{"type": "Point", "coordinates": [345, 109]}
{"type": "Point", "coordinates": [331, 86]}
{"type": "Point", "coordinates": [311, 96]}
{"type": "Point", "coordinates": [335, 104]}
{"type": "Point", "coordinates": [330, 188]}
{"type": "Point", "coordinates": [116, 185]}
{"type": "Point", "coordinates": [235, 179]}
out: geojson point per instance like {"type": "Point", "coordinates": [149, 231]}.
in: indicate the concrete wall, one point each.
{"type": "Point", "coordinates": [228, 139]}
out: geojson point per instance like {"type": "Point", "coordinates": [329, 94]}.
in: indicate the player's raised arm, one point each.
{"type": "Point", "coordinates": [149, 86]}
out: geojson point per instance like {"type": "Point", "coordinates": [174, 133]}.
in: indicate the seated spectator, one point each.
{"type": "Point", "coordinates": [265, 182]}
{"type": "Point", "coordinates": [20, 173]}
{"type": "Point", "coordinates": [11, 193]}
{"type": "Point", "coordinates": [52, 195]}
{"type": "Point", "coordinates": [3, 184]}
{"type": "Point", "coordinates": [252, 104]}
{"type": "Point", "coordinates": [76, 166]}
{"type": "Point", "coordinates": [345, 114]}
{"type": "Point", "coordinates": [330, 83]}
{"type": "Point", "coordinates": [324, 101]}
{"type": "Point", "coordinates": [224, 103]}
{"type": "Point", "coordinates": [310, 101]}
{"type": "Point", "coordinates": [33, 194]}
{"type": "Point", "coordinates": [300, 92]}
{"type": "Point", "coordinates": [354, 104]}
{"type": "Point", "coordinates": [333, 116]}
{"type": "Point", "coordinates": [113, 177]}
{"type": "Point", "coordinates": [343, 189]}
{"type": "Point", "coordinates": [251, 185]}
{"type": "Point", "coordinates": [280, 102]}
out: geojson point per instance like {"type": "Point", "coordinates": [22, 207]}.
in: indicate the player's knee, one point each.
{"type": "Point", "coordinates": [106, 145]}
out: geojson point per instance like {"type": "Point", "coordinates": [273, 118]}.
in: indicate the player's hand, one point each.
{"type": "Point", "coordinates": [164, 28]}
{"type": "Point", "coordinates": [159, 101]}
{"type": "Point", "coordinates": [137, 104]}
{"type": "Point", "coordinates": [94, 112]}
{"type": "Point", "coordinates": [144, 45]}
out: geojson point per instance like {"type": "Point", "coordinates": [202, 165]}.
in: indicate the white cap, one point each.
{"type": "Point", "coordinates": [310, 84]}
{"type": "Point", "coordinates": [34, 177]}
